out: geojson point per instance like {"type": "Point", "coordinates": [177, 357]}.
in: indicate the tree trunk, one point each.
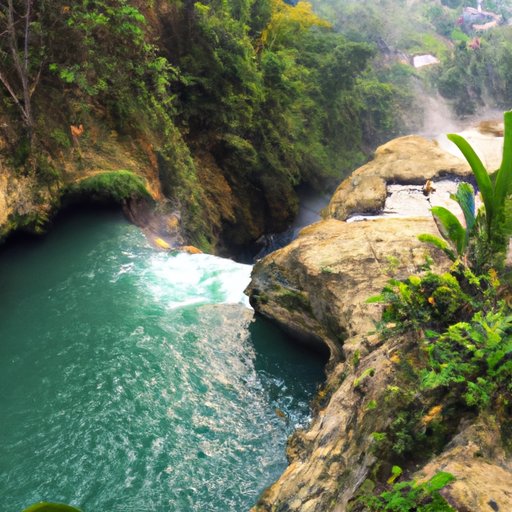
{"type": "Point", "coordinates": [20, 62]}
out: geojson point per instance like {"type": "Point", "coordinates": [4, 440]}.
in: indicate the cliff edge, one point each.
{"type": "Point", "coordinates": [317, 288]}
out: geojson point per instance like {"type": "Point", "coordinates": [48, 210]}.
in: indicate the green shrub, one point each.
{"type": "Point", "coordinates": [61, 138]}
{"type": "Point", "coordinates": [433, 300]}
{"type": "Point", "coordinates": [46, 172]}
{"type": "Point", "coordinates": [458, 35]}
{"type": "Point", "coordinates": [412, 496]}
{"type": "Point", "coordinates": [51, 507]}
{"type": "Point", "coordinates": [474, 357]}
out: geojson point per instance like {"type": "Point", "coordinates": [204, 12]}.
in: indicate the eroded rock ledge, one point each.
{"type": "Point", "coordinates": [407, 160]}
{"type": "Point", "coordinates": [316, 288]}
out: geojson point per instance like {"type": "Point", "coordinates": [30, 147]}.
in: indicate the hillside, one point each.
{"type": "Point", "coordinates": [223, 108]}
{"type": "Point", "coordinates": [472, 47]}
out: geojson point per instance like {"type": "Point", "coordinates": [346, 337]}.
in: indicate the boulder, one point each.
{"type": "Point", "coordinates": [482, 469]}
{"type": "Point", "coordinates": [316, 288]}
{"type": "Point", "coordinates": [410, 160]}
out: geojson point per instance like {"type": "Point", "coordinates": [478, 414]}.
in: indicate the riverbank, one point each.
{"type": "Point", "coordinates": [370, 415]}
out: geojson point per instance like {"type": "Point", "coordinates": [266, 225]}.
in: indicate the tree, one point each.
{"type": "Point", "coordinates": [17, 73]}
{"type": "Point", "coordinates": [288, 22]}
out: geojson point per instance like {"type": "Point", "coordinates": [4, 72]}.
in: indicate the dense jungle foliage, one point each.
{"type": "Point", "coordinates": [472, 77]}
{"type": "Point", "coordinates": [263, 91]}
{"type": "Point", "coordinates": [461, 325]}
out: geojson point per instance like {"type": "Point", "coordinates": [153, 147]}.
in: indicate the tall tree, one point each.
{"type": "Point", "coordinates": [17, 73]}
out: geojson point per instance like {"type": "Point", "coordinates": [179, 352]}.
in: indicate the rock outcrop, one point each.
{"type": "Point", "coordinates": [410, 160]}
{"type": "Point", "coordinates": [30, 195]}
{"type": "Point", "coordinates": [482, 469]}
{"type": "Point", "coordinates": [22, 202]}
{"type": "Point", "coordinates": [316, 288]}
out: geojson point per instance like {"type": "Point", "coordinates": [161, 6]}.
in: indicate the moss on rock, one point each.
{"type": "Point", "coordinates": [118, 186]}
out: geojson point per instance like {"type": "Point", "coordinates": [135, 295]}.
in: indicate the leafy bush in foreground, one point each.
{"type": "Point", "coordinates": [475, 358]}
{"type": "Point", "coordinates": [482, 243]}
{"type": "Point", "coordinates": [51, 507]}
{"type": "Point", "coordinates": [411, 497]}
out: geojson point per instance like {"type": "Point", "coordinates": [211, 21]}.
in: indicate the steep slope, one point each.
{"type": "Point", "coordinates": [223, 108]}
{"type": "Point", "coordinates": [370, 415]}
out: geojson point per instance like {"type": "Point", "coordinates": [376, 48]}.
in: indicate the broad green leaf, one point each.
{"type": "Point", "coordinates": [465, 196]}
{"type": "Point", "coordinates": [450, 227]}
{"type": "Point", "coordinates": [482, 177]}
{"type": "Point", "coordinates": [51, 507]}
{"type": "Point", "coordinates": [504, 176]}
{"type": "Point", "coordinates": [439, 243]}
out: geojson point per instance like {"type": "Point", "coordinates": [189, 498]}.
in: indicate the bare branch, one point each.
{"type": "Point", "coordinates": [7, 85]}
{"type": "Point", "coordinates": [36, 80]}
{"type": "Point", "coordinates": [11, 30]}
{"type": "Point", "coordinates": [20, 62]}
{"type": "Point", "coordinates": [27, 34]}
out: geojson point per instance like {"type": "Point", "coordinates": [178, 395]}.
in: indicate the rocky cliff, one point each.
{"type": "Point", "coordinates": [316, 288]}
{"type": "Point", "coordinates": [213, 209]}
{"type": "Point", "coordinates": [31, 195]}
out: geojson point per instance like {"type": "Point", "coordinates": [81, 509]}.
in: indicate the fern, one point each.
{"type": "Point", "coordinates": [412, 496]}
{"type": "Point", "coordinates": [474, 355]}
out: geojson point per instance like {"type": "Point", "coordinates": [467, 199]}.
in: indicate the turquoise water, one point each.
{"type": "Point", "coordinates": [134, 380]}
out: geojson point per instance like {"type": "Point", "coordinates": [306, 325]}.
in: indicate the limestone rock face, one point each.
{"type": "Point", "coordinates": [482, 470]}
{"type": "Point", "coordinates": [406, 160]}
{"type": "Point", "coordinates": [330, 461]}
{"type": "Point", "coordinates": [21, 201]}
{"type": "Point", "coordinates": [316, 287]}
{"type": "Point", "coordinates": [29, 197]}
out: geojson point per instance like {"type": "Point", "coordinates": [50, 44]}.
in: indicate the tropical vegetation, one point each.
{"type": "Point", "coordinates": [474, 64]}
{"type": "Point", "coordinates": [255, 97]}
{"type": "Point", "coordinates": [461, 321]}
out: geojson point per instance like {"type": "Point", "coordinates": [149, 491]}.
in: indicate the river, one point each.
{"type": "Point", "coordinates": [138, 380]}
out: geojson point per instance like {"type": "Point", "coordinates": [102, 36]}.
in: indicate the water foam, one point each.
{"type": "Point", "coordinates": [114, 398]}
{"type": "Point", "coordinates": [186, 279]}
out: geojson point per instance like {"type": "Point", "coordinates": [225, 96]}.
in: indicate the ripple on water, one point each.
{"type": "Point", "coordinates": [128, 384]}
